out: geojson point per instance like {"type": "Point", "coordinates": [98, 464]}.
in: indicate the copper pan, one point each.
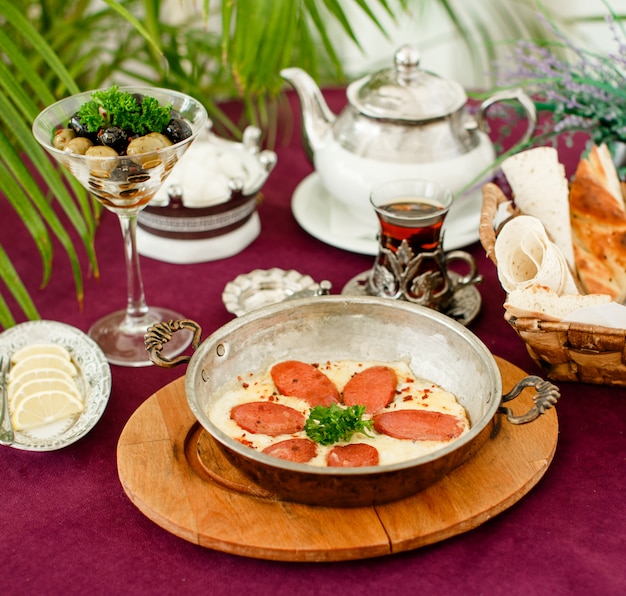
{"type": "Point", "coordinates": [325, 328]}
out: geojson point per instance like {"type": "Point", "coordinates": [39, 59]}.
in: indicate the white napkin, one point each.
{"type": "Point", "coordinates": [205, 172]}
{"type": "Point", "coordinates": [607, 315]}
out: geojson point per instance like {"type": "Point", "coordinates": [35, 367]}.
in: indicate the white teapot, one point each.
{"type": "Point", "coordinates": [399, 123]}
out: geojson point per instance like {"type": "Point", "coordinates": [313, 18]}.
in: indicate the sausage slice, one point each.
{"type": "Point", "coordinates": [418, 425]}
{"type": "Point", "coordinates": [297, 450]}
{"type": "Point", "coordinates": [268, 418]}
{"type": "Point", "coordinates": [352, 456]}
{"type": "Point", "coordinates": [299, 379]}
{"type": "Point", "coordinates": [373, 388]}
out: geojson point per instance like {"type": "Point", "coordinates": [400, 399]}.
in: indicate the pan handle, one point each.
{"type": "Point", "coordinates": [547, 395]}
{"type": "Point", "coordinates": [160, 333]}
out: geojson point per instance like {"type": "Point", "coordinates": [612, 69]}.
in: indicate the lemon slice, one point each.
{"type": "Point", "coordinates": [36, 374]}
{"type": "Point", "coordinates": [40, 350]}
{"type": "Point", "coordinates": [37, 361]}
{"type": "Point", "coordinates": [45, 407]}
{"type": "Point", "coordinates": [40, 386]}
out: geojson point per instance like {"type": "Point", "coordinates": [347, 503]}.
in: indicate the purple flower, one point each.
{"type": "Point", "coordinates": [586, 92]}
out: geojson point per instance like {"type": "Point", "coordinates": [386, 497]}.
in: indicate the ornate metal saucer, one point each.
{"type": "Point", "coordinates": [261, 287]}
{"type": "Point", "coordinates": [463, 308]}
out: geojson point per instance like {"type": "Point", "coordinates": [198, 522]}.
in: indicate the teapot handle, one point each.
{"type": "Point", "coordinates": [505, 95]}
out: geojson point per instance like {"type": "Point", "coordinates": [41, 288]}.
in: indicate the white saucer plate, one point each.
{"type": "Point", "coordinates": [94, 380]}
{"type": "Point", "coordinates": [313, 207]}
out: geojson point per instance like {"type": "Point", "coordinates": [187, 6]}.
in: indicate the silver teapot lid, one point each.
{"type": "Point", "coordinates": [406, 92]}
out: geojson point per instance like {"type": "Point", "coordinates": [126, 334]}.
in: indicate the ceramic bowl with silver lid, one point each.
{"type": "Point", "coordinates": [208, 208]}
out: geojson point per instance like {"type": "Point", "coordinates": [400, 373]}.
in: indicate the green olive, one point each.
{"type": "Point", "coordinates": [62, 137]}
{"type": "Point", "coordinates": [78, 145]}
{"type": "Point", "coordinates": [101, 151]}
{"type": "Point", "coordinates": [151, 142]}
{"type": "Point", "coordinates": [101, 168]}
{"type": "Point", "coordinates": [161, 137]}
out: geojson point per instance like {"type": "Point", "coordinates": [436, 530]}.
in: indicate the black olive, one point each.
{"type": "Point", "coordinates": [126, 170]}
{"type": "Point", "coordinates": [177, 130]}
{"type": "Point", "coordinates": [80, 130]}
{"type": "Point", "coordinates": [114, 137]}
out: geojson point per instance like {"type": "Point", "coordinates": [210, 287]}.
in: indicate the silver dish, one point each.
{"type": "Point", "coordinates": [94, 381]}
{"type": "Point", "coordinates": [262, 287]}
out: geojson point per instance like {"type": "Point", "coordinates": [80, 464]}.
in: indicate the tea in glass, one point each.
{"type": "Point", "coordinates": [411, 263]}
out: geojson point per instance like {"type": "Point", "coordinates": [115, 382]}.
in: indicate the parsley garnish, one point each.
{"type": "Point", "coordinates": [112, 107]}
{"type": "Point", "coordinates": [328, 425]}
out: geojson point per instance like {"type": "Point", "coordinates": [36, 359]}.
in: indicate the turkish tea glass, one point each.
{"type": "Point", "coordinates": [411, 264]}
{"type": "Point", "coordinates": [125, 185]}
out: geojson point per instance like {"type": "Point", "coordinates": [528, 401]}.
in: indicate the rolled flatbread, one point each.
{"type": "Point", "coordinates": [526, 257]}
{"type": "Point", "coordinates": [540, 188]}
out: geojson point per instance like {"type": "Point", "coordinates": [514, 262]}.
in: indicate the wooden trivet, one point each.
{"type": "Point", "coordinates": [170, 470]}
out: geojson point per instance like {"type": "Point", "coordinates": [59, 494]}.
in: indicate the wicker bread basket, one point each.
{"type": "Point", "coordinates": [565, 351]}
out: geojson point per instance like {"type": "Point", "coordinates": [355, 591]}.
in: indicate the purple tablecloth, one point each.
{"type": "Point", "coordinates": [66, 525]}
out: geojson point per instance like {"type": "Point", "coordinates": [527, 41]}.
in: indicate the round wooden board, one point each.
{"type": "Point", "coordinates": [162, 465]}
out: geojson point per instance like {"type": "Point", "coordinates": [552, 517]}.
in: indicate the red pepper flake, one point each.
{"type": "Point", "coordinates": [407, 398]}
{"type": "Point", "coordinates": [239, 378]}
{"type": "Point", "coordinates": [244, 441]}
{"type": "Point", "coordinates": [245, 385]}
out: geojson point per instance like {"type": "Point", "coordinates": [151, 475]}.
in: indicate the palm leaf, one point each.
{"type": "Point", "coordinates": [152, 18]}
{"type": "Point", "coordinates": [17, 110]}
{"type": "Point", "coordinates": [21, 24]}
{"type": "Point", "coordinates": [9, 275]}
{"type": "Point", "coordinates": [24, 208]}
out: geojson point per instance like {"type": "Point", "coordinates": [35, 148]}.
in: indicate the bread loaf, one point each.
{"type": "Point", "coordinates": [602, 163]}
{"type": "Point", "coordinates": [598, 222]}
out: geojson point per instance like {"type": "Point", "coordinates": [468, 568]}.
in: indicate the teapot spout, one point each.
{"type": "Point", "coordinates": [317, 118]}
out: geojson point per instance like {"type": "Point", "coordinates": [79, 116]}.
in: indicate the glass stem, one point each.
{"type": "Point", "coordinates": [136, 306]}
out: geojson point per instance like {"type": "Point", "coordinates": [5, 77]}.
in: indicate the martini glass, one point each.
{"type": "Point", "coordinates": [125, 185]}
